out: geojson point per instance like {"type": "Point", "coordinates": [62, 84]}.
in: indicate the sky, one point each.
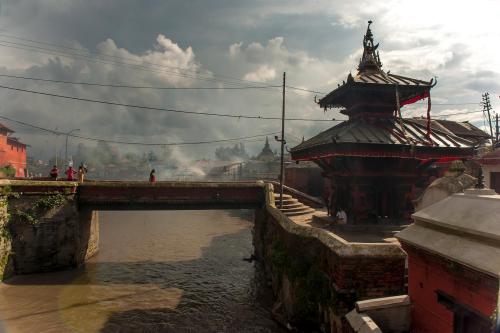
{"type": "Point", "coordinates": [229, 43]}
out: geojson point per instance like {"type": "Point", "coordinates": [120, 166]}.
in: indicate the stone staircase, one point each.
{"type": "Point", "coordinates": [292, 206]}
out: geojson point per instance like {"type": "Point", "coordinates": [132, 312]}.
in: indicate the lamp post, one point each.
{"type": "Point", "coordinates": [67, 137]}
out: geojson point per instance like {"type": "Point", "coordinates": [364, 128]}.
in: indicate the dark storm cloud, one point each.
{"type": "Point", "coordinates": [316, 42]}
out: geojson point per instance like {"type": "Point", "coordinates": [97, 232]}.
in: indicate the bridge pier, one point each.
{"type": "Point", "coordinates": [45, 231]}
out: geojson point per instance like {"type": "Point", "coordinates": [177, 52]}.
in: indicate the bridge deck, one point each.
{"type": "Point", "coordinates": [136, 195]}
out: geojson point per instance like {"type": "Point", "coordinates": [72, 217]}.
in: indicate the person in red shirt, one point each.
{"type": "Point", "coordinates": [70, 173]}
{"type": "Point", "coordinates": [152, 177]}
{"type": "Point", "coordinates": [54, 172]}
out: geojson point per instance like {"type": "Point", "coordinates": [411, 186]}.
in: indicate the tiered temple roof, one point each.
{"type": "Point", "coordinates": [372, 100]}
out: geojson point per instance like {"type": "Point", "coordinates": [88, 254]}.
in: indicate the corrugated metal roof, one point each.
{"type": "Point", "coordinates": [384, 131]}
{"type": "Point", "coordinates": [409, 88]}
{"type": "Point", "coordinates": [380, 77]}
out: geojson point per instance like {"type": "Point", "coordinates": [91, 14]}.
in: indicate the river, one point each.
{"type": "Point", "coordinates": [156, 271]}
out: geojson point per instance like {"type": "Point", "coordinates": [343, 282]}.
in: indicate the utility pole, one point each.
{"type": "Point", "coordinates": [497, 132]}
{"type": "Point", "coordinates": [282, 174]}
{"type": "Point", "coordinates": [487, 109]}
{"type": "Point", "coordinates": [67, 136]}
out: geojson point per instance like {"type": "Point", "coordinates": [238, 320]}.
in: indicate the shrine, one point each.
{"type": "Point", "coordinates": [377, 161]}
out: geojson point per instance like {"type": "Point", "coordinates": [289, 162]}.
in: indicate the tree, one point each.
{"type": "Point", "coordinates": [237, 152]}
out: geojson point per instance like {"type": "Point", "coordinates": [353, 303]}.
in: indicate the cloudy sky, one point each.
{"type": "Point", "coordinates": [229, 43]}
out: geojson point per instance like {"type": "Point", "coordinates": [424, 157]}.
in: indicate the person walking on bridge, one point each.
{"type": "Point", "coordinates": [152, 176]}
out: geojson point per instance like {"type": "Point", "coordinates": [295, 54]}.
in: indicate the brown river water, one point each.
{"type": "Point", "coordinates": [157, 271]}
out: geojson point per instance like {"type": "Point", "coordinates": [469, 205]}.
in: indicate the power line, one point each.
{"type": "Point", "coordinates": [457, 113]}
{"type": "Point", "coordinates": [140, 65]}
{"type": "Point", "coordinates": [157, 108]}
{"type": "Point", "coordinates": [134, 142]}
{"type": "Point", "coordinates": [134, 87]}
{"type": "Point", "coordinates": [121, 58]}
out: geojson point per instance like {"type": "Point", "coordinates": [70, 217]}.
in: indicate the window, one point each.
{"type": "Point", "coordinates": [465, 319]}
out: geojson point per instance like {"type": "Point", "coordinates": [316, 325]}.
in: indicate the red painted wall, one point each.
{"type": "Point", "coordinates": [428, 273]}
{"type": "Point", "coordinates": [14, 154]}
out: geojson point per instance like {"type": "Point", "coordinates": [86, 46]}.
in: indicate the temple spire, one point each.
{"type": "Point", "coordinates": [370, 59]}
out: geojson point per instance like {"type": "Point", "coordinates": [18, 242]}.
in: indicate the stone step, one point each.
{"type": "Point", "coordinates": [277, 196]}
{"type": "Point", "coordinates": [295, 209]}
{"type": "Point", "coordinates": [288, 201]}
{"type": "Point", "coordinates": [301, 212]}
{"type": "Point", "coordinates": [290, 205]}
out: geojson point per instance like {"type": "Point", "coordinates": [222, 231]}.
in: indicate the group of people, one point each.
{"type": "Point", "coordinates": [70, 173]}
{"type": "Point", "coordinates": [82, 170]}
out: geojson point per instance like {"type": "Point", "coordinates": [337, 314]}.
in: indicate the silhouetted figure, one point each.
{"type": "Point", "coordinates": [54, 172]}
{"type": "Point", "coordinates": [152, 176]}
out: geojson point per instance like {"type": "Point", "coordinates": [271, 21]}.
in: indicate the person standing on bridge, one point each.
{"type": "Point", "coordinates": [70, 173]}
{"type": "Point", "coordinates": [54, 172]}
{"type": "Point", "coordinates": [82, 170]}
{"type": "Point", "coordinates": [152, 176]}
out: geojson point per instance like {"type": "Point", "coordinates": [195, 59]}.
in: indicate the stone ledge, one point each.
{"type": "Point", "coordinates": [383, 303]}
{"type": "Point", "coordinates": [361, 323]}
{"type": "Point", "coordinates": [335, 243]}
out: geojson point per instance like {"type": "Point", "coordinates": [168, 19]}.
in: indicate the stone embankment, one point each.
{"type": "Point", "coordinates": [316, 275]}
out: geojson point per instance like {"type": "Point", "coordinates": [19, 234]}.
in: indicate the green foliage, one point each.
{"type": "Point", "coordinates": [28, 216]}
{"type": "Point", "coordinates": [8, 171]}
{"type": "Point", "coordinates": [5, 232]}
{"type": "Point", "coordinates": [49, 202]}
{"type": "Point", "coordinates": [4, 260]}
{"type": "Point", "coordinates": [7, 192]}
{"type": "Point", "coordinates": [41, 206]}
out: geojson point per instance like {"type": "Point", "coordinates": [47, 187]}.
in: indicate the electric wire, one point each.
{"type": "Point", "coordinates": [134, 142]}
{"type": "Point", "coordinates": [132, 86]}
{"type": "Point", "coordinates": [226, 115]}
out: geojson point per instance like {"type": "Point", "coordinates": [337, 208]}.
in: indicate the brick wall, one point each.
{"type": "Point", "coordinates": [429, 273]}
{"type": "Point", "coordinates": [316, 284]}
{"type": "Point", "coordinates": [13, 153]}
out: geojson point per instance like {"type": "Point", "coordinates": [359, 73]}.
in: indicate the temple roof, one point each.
{"type": "Point", "coordinates": [370, 75]}
{"type": "Point", "coordinates": [266, 153]}
{"type": "Point", "coordinates": [383, 137]}
{"type": "Point", "coordinates": [462, 129]}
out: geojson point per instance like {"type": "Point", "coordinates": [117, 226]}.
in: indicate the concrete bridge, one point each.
{"type": "Point", "coordinates": [137, 195]}
{"type": "Point", "coordinates": [49, 225]}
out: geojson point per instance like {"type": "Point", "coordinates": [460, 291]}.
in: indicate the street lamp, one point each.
{"type": "Point", "coordinates": [67, 136]}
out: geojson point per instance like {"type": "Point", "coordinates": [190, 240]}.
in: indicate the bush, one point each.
{"type": "Point", "coordinates": [7, 171]}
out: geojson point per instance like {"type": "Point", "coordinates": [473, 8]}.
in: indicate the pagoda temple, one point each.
{"type": "Point", "coordinates": [376, 160]}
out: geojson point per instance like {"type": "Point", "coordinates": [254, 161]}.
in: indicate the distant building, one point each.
{"type": "Point", "coordinates": [490, 163]}
{"type": "Point", "coordinates": [266, 154]}
{"type": "Point", "coordinates": [12, 152]}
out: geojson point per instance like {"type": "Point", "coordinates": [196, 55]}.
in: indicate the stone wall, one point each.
{"type": "Point", "coordinates": [46, 232]}
{"type": "Point", "coordinates": [316, 276]}
{"type": "Point", "coordinates": [6, 261]}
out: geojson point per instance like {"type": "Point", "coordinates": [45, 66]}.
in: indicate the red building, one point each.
{"type": "Point", "coordinates": [453, 250]}
{"type": "Point", "coordinates": [12, 152]}
{"type": "Point", "coordinates": [377, 161]}
{"type": "Point", "coordinates": [454, 263]}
